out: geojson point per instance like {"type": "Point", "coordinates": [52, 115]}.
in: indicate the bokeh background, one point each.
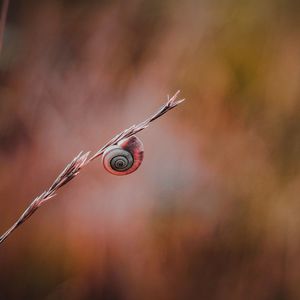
{"type": "Point", "coordinates": [213, 212]}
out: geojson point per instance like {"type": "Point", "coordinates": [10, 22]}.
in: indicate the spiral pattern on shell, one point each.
{"type": "Point", "coordinates": [125, 157]}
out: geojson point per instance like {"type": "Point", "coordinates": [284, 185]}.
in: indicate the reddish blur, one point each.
{"type": "Point", "coordinates": [212, 213]}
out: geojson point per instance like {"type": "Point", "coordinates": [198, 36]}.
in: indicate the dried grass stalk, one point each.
{"type": "Point", "coordinates": [82, 159]}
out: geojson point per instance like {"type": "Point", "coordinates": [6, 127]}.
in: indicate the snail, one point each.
{"type": "Point", "coordinates": [125, 157]}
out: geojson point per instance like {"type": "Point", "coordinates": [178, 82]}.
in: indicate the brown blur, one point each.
{"type": "Point", "coordinates": [213, 212]}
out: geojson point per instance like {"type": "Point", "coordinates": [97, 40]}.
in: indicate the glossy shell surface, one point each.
{"type": "Point", "coordinates": [125, 157]}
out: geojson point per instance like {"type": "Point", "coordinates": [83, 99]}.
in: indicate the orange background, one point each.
{"type": "Point", "coordinates": [213, 212]}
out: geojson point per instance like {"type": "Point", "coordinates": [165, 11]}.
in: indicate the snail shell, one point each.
{"type": "Point", "coordinates": [125, 157]}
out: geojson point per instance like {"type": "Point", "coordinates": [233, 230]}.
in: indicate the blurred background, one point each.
{"type": "Point", "coordinates": [212, 213]}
